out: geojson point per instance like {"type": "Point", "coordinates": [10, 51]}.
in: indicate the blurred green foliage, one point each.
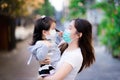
{"type": "Point", "coordinates": [77, 8]}
{"type": "Point", "coordinates": [109, 28]}
{"type": "Point", "coordinates": [46, 9]}
{"type": "Point", "coordinates": [11, 7]}
{"type": "Point", "coordinates": [16, 8]}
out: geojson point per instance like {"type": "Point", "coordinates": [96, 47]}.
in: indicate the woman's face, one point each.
{"type": "Point", "coordinates": [73, 31]}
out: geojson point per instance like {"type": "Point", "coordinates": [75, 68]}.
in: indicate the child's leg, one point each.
{"type": "Point", "coordinates": [46, 70]}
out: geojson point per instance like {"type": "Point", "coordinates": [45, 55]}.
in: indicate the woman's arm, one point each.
{"type": "Point", "coordinates": [64, 70]}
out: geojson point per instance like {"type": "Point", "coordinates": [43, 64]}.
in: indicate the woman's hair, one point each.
{"type": "Point", "coordinates": [40, 25]}
{"type": "Point", "coordinates": [84, 42]}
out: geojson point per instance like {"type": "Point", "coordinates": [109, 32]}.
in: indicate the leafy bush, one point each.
{"type": "Point", "coordinates": [109, 28]}
{"type": "Point", "coordinates": [77, 8]}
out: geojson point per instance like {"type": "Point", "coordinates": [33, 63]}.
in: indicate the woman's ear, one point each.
{"type": "Point", "coordinates": [79, 35]}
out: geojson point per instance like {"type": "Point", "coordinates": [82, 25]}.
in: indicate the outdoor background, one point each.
{"type": "Point", "coordinates": [17, 18]}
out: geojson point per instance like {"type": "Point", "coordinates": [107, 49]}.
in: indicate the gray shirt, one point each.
{"type": "Point", "coordinates": [40, 51]}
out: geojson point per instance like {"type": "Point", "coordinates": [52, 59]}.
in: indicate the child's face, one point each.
{"type": "Point", "coordinates": [52, 27]}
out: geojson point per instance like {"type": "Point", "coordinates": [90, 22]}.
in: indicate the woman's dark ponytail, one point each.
{"type": "Point", "coordinates": [62, 47]}
{"type": "Point", "coordinates": [85, 42]}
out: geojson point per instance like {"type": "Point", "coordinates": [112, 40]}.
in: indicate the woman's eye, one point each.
{"type": "Point", "coordinates": [70, 27]}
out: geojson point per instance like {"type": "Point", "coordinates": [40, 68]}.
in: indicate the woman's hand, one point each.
{"type": "Point", "coordinates": [46, 61]}
{"type": "Point", "coordinates": [63, 71]}
{"type": "Point", "coordinates": [40, 78]}
{"type": "Point", "coordinates": [60, 33]}
{"type": "Point", "coordinates": [45, 78]}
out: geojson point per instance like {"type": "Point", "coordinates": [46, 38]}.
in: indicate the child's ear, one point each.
{"type": "Point", "coordinates": [44, 32]}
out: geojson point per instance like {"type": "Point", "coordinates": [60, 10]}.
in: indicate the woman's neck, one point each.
{"type": "Point", "coordinates": [73, 45]}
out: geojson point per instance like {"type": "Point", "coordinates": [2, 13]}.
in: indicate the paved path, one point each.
{"type": "Point", "coordinates": [105, 67]}
{"type": "Point", "coordinates": [13, 65]}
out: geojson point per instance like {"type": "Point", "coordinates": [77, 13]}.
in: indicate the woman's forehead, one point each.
{"type": "Point", "coordinates": [72, 22]}
{"type": "Point", "coordinates": [71, 25]}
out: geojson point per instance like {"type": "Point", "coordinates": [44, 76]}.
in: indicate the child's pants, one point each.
{"type": "Point", "coordinates": [46, 70]}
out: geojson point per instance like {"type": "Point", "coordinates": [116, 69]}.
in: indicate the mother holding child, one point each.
{"type": "Point", "coordinates": [66, 60]}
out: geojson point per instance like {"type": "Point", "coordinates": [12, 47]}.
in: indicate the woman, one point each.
{"type": "Point", "coordinates": [78, 54]}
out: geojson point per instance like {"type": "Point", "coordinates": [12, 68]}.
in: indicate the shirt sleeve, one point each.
{"type": "Point", "coordinates": [39, 50]}
{"type": "Point", "coordinates": [74, 59]}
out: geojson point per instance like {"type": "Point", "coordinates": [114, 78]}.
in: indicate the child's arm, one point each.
{"type": "Point", "coordinates": [40, 50]}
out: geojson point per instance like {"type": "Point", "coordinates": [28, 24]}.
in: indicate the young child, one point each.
{"type": "Point", "coordinates": [43, 45]}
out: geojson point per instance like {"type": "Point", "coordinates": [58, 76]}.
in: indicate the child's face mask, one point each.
{"type": "Point", "coordinates": [52, 35]}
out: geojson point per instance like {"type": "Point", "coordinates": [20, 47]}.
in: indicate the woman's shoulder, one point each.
{"type": "Point", "coordinates": [74, 54]}
{"type": "Point", "coordinates": [73, 57]}
{"type": "Point", "coordinates": [74, 51]}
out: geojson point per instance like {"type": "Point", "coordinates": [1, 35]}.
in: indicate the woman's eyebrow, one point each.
{"type": "Point", "coordinates": [70, 26]}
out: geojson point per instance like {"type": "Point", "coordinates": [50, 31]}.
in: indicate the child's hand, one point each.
{"type": "Point", "coordinates": [60, 33]}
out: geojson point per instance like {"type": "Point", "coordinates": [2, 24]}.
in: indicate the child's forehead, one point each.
{"type": "Point", "coordinates": [53, 26]}
{"type": "Point", "coordinates": [53, 23]}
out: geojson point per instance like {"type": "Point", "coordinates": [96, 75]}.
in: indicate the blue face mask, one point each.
{"type": "Point", "coordinates": [66, 36]}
